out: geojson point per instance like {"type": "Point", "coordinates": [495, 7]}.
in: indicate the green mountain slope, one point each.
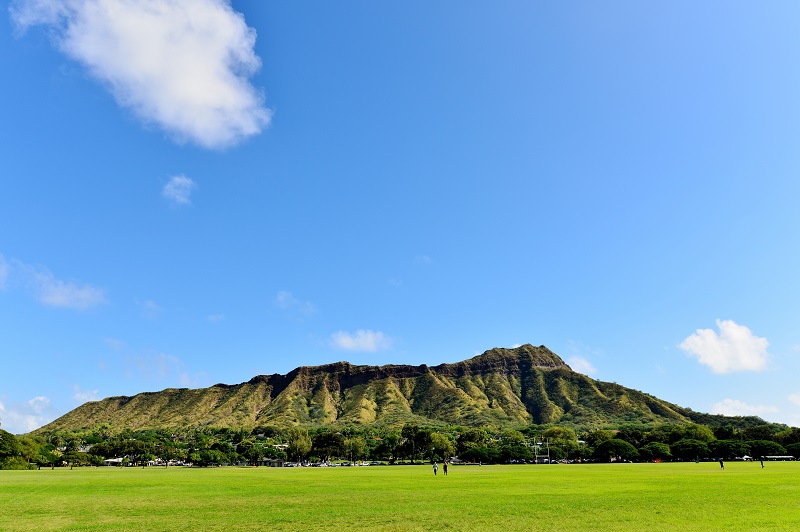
{"type": "Point", "coordinates": [501, 387]}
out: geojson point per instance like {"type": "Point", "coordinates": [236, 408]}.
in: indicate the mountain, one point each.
{"type": "Point", "coordinates": [501, 387]}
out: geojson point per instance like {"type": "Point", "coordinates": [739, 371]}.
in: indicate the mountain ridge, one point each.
{"type": "Point", "coordinates": [500, 387]}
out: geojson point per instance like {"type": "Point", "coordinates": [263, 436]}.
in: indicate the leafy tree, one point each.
{"type": "Point", "coordinates": [299, 443]}
{"type": "Point", "coordinates": [30, 447]}
{"type": "Point", "coordinates": [789, 436]}
{"type": "Point", "coordinates": [699, 433]}
{"type": "Point", "coordinates": [208, 457]}
{"type": "Point", "coordinates": [596, 437]}
{"type": "Point", "coordinates": [469, 439]}
{"type": "Point", "coordinates": [658, 434]}
{"type": "Point", "coordinates": [167, 451]}
{"type": "Point", "coordinates": [615, 449]}
{"type": "Point", "coordinates": [655, 451]}
{"type": "Point", "coordinates": [266, 432]}
{"type": "Point", "coordinates": [9, 446]}
{"type": "Point", "coordinates": [76, 458]}
{"type": "Point", "coordinates": [557, 452]}
{"type": "Point", "coordinates": [557, 435]}
{"type": "Point", "coordinates": [766, 448]}
{"type": "Point", "coordinates": [250, 451]}
{"type": "Point", "coordinates": [354, 448]}
{"type": "Point", "coordinates": [793, 449]}
{"type": "Point", "coordinates": [760, 432]}
{"type": "Point", "coordinates": [480, 453]}
{"type": "Point", "coordinates": [633, 435]}
{"type": "Point", "coordinates": [441, 447]}
{"type": "Point", "coordinates": [327, 444]}
{"type": "Point", "coordinates": [388, 447]}
{"type": "Point", "coordinates": [423, 442]}
{"type": "Point", "coordinates": [414, 442]}
{"type": "Point", "coordinates": [729, 449]}
{"type": "Point", "coordinates": [725, 432]}
{"type": "Point", "coordinates": [273, 453]}
{"type": "Point", "coordinates": [688, 449]}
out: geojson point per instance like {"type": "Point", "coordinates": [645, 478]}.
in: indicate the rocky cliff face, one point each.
{"type": "Point", "coordinates": [501, 387]}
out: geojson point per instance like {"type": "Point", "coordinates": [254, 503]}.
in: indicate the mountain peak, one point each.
{"type": "Point", "coordinates": [500, 387]}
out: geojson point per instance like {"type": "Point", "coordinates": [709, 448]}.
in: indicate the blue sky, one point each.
{"type": "Point", "coordinates": [196, 191]}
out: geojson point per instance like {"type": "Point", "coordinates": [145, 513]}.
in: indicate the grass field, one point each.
{"type": "Point", "coordinates": [685, 496]}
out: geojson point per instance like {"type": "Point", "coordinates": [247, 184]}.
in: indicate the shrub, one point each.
{"type": "Point", "coordinates": [16, 462]}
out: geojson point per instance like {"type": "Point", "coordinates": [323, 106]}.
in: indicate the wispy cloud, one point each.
{"type": "Point", "coordinates": [181, 64]}
{"type": "Point", "coordinates": [794, 398]}
{"type": "Point", "coordinates": [286, 301]}
{"type": "Point", "coordinates": [581, 365]}
{"type": "Point", "coordinates": [161, 368]}
{"type": "Point", "coordinates": [579, 354]}
{"type": "Point", "coordinates": [82, 396]}
{"type": "Point", "coordinates": [51, 291]}
{"type": "Point", "coordinates": [734, 407]}
{"type": "Point", "coordinates": [735, 348]}
{"type": "Point", "coordinates": [19, 418]}
{"type": "Point", "coordinates": [113, 343]}
{"type": "Point", "coordinates": [178, 190]}
{"type": "Point", "coordinates": [150, 309]}
{"type": "Point", "coordinates": [214, 318]}
{"type": "Point", "coordinates": [4, 269]}
{"type": "Point", "coordinates": [361, 340]}
{"type": "Point", "coordinates": [423, 260]}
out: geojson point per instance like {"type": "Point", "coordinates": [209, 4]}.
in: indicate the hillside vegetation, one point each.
{"type": "Point", "coordinates": [502, 387]}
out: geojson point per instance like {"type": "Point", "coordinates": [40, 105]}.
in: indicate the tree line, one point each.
{"type": "Point", "coordinates": [409, 443]}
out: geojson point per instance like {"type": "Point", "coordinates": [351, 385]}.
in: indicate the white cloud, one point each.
{"type": "Point", "coordinates": [286, 301]}
{"type": "Point", "coordinates": [179, 189]}
{"type": "Point", "coordinates": [113, 343]}
{"type": "Point", "coordinates": [581, 365]}
{"type": "Point", "coordinates": [160, 367]}
{"type": "Point", "coordinates": [423, 260]}
{"type": "Point", "coordinates": [213, 318]}
{"type": "Point", "coordinates": [24, 417]}
{"type": "Point", "coordinates": [577, 358]}
{"type": "Point", "coordinates": [181, 64]}
{"type": "Point", "coordinates": [150, 309]}
{"type": "Point", "coordinates": [49, 290]}
{"type": "Point", "coordinates": [4, 271]}
{"type": "Point", "coordinates": [734, 407]}
{"type": "Point", "coordinates": [84, 396]}
{"type": "Point", "coordinates": [794, 398]}
{"type": "Point", "coordinates": [735, 348]}
{"type": "Point", "coordinates": [362, 340]}
{"type": "Point", "coordinates": [57, 293]}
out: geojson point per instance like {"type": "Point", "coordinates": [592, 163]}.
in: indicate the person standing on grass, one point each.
{"type": "Point", "coordinates": [435, 468]}
{"type": "Point", "coordinates": [721, 464]}
{"type": "Point", "coordinates": [444, 467]}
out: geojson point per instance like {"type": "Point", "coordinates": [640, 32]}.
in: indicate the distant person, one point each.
{"type": "Point", "coordinates": [762, 465]}
{"type": "Point", "coordinates": [444, 467]}
{"type": "Point", "coordinates": [721, 464]}
{"type": "Point", "coordinates": [435, 468]}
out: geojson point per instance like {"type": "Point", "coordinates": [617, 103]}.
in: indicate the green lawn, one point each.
{"type": "Point", "coordinates": [684, 496]}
